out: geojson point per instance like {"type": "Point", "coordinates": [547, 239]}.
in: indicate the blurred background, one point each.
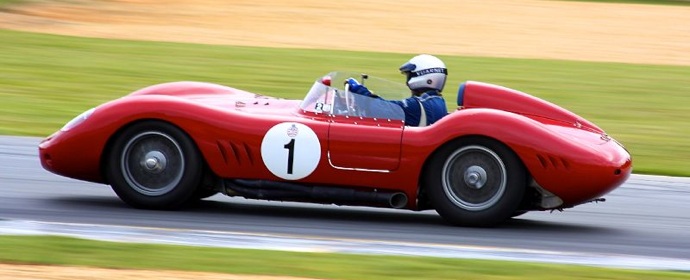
{"type": "Point", "coordinates": [625, 65]}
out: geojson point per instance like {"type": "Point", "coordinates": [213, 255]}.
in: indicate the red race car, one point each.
{"type": "Point", "coordinates": [500, 154]}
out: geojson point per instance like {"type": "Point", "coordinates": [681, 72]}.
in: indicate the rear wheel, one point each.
{"type": "Point", "coordinates": [154, 165]}
{"type": "Point", "coordinates": [475, 182]}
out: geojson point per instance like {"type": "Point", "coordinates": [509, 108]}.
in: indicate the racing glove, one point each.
{"type": "Point", "coordinates": [356, 87]}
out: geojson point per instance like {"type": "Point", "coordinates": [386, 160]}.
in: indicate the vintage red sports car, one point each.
{"type": "Point", "coordinates": [500, 154]}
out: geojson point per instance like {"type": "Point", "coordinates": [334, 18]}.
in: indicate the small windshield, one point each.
{"type": "Point", "coordinates": [329, 96]}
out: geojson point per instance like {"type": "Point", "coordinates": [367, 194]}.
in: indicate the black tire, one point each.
{"type": "Point", "coordinates": [154, 165]}
{"type": "Point", "coordinates": [475, 182]}
{"type": "Point", "coordinates": [202, 193]}
{"type": "Point", "coordinates": [207, 187]}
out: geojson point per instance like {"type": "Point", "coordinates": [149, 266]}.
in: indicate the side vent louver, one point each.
{"type": "Point", "coordinates": [553, 162]}
{"type": "Point", "coordinates": [234, 153]}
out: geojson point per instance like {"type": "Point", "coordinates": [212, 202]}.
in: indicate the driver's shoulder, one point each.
{"type": "Point", "coordinates": [429, 95]}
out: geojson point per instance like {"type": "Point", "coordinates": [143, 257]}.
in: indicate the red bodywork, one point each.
{"type": "Point", "coordinates": [565, 154]}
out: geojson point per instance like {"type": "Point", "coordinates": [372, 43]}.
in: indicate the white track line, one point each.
{"type": "Point", "coordinates": [348, 246]}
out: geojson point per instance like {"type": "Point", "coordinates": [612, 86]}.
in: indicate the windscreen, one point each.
{"type": "Point", "coordinates": [328, 95]}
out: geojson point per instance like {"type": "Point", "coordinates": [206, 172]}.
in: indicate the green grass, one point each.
{"type": "Point", "coordinates": [70, 251]}
{"type": "Point", "coordinates": [4, 3]}
{"type": "Point", "coordinates": [649, 2]}
{"type": "Point", "coordinates": [45, 80]}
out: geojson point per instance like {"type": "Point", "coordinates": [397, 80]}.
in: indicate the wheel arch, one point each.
{"type": "Point", "coordinates": [108, 147]}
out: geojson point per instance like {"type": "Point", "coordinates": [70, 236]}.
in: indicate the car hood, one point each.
{"type": "Point", "coordinates": [224, 97]}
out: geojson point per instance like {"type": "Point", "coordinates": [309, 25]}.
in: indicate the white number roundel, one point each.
{"type": "Point", "coordinates": [291, 150]}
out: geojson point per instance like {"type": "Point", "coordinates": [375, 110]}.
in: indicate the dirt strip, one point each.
{"type": "Point", "coordinates": [42, 272]}
{"type": "Point", "coordinates": [502, 28]}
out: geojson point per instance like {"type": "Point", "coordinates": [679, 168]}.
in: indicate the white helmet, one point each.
{"type": "Point", "coordinates": [425, 72]}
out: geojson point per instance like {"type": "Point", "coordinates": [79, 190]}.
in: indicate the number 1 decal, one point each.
{"type": "Point", "coordinates": [291, 154]}
{"type": "Point", "coordinates": [303, 150]}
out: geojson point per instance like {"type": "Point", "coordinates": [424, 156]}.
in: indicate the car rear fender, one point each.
{"type": "Point", "coordinates": [552, 153]}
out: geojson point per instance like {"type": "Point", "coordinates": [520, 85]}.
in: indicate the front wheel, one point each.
{"type": "Point", "coordinates": [154, 165]}
{"type": "Point", "coordinates": [475, 182]}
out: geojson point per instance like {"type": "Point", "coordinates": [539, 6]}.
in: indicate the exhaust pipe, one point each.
{"type": "Point", "coordinates": [270, 190]}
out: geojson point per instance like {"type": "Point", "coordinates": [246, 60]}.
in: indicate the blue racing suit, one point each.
{"type": "Point", "coordinates": [422, 110]}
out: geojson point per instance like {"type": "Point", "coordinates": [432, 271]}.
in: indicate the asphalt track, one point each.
{"type": "Point", "coordinates": [649, 216]}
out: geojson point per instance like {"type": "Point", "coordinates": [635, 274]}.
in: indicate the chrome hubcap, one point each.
{"type": "Point", "coordinates": [475, 177]}
{"type": "Point", "coordinates": [154, 162]}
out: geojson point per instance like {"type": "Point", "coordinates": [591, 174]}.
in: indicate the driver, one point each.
{"type": "Point", "coordinates": [426, 76]}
